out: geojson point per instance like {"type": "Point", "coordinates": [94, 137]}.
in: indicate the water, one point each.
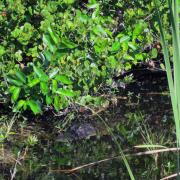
{"type": "Point", "coordinates": [144, 116]}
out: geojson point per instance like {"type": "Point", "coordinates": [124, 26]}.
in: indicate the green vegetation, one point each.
{"type": "Point", "coordinates": [56, 51]}
{"type": "Point", "coordinates": [70, 67]}
{"type": "Point", "coordinates": [173, 77]}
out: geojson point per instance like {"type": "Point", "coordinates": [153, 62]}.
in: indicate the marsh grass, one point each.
{"type": "Point", "coordinates": [172, 76]}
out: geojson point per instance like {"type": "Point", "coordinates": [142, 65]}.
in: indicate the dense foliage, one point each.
{"type": "Point", "coordinates": [53, 52]}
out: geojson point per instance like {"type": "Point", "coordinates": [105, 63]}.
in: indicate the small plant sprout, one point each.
{"type": "Point", "coordinates": [31, 140]}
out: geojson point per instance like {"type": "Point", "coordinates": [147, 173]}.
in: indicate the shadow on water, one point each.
{"type": "Point", "coordinates": [143, 117]}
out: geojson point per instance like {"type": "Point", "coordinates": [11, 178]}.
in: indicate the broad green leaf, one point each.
{"type": "Point", "coordinates": [61, 52]}
{"type": "Point", "coordinates": [112, 61]}
{"type": "Point", "coordinates": [48, 41]}
{"type": "Point", "coordinates": [63, 79]}
{"type": "Point", "coordinates": [56, 102]}
{"type": "Point", "coordinates": [132, 46]}
{"type": "Point", "coordinates": [11, 89]}
{"type": "Point", "coordinates": [139, 57]}
{"type": "Point", "coordinates": [44, 87]}
{"type": "Point", "coordinates": [53, 36]}
{"type": "Point", "coordinates": [2, 50]}
{"type": "Point", "coordinates": [124, 39]}
{"type": "Point", "coordinates": [137, 30]}
{"type": "Point", "coordinates": [92, 6]}
{"type": "Point", "coordinates": [49, 100]}
{"type": "Point", "coordinates": [53, 73]}
{"type": "Point", "coordinates": [34, 106]}
{"type": "Point", "coordinates": [15, 94]}
{"type": "Point", "coordinates": [19, 105]}
{"type": "Point", "coordinates": [128, 57]}
{"type": "Point", "coordinates": [41, 74]}
{"type": "Point", "coordinates": [48, 55]}
{"type": "Point", "coordinates": [69, 1]}
{"type": "Point", "coordinates": [154, 53]}
{"type": "Point", "coordinates": [116, 46]}
{"type": "Point", "coordinates": [66, 92]}
{"type": "Point", "coordinates": [14, 81]}
{"type": "Point", "coordinates": [33, 82]}
{"type": "Point", "coordinates": [54, 85]}
{"type": "Point", "coordinates": [69, 44]}
{"type": "Point", "coordinates": [21, 76]}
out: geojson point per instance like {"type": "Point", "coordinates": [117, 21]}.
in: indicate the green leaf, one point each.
{"type": "Point", "coordinates": [49, 100]}
{"type": "Point", "coordinates": [92, 6]}
{"type": "Point", "coordinates": [47, 40]}
{"type": "Point", "coordinates": [2, 50]}
{"type": "Point", "coordinates": [112, 61]}
{"type": "Point", "coordinates": [61, 52]}
{"type": "Point", "coordinates": [53, 36]}
{"type": "Point", "coordinates": [139, 57]}
{"type": "Point", "coordinates": [69, 44]}
{"type": "Point", "coordinates": [154, 53]}
{"type": "Point", "coordinates": [128, 57]}
{"type": "Point", "coordinates": [53, 73]}
{"type": "Point", "coordinates": [48, 55]}
{"type": "Point", "coordinates": [54, 86]}
{"type": "Point", "coordinates": [69, 1]}
{"type": "Point", "coordinates": [15, 94]}
{"type": "Point", "coordinates": [44, 87]}
{"type": "Point", "coordinates": [56, 102]}
{"type": "Point", "coordinates": [137, 30]}
{"type": "Point", "coordinates": [19, 105]}
{"type": "Point", "coordinates": [11, 89]}
{"type": "Point", "coordinates": [21, 76]}
{"type": "Point", "coordinates": [63, 79]}
{"type": "Point", "coordinates": [124, 39]}
{"type": "Point", "coordinates": [33, 82]}
{"type": "Point", "coordinates": [14, 81]}
{"type": "Point", "coordinates": [66, 92]}
{"type": "Point", "coordinates": [34, 106]}
{"type": "Point", "coordinates": [132, 46]}
{"type": "Point", "coordinates": [41, 74]}
{"type": "Point", "coordinates": [116, 46]}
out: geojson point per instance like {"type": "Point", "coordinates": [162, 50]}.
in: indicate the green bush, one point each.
{"type": "Point", "coordinates": [53, 52]}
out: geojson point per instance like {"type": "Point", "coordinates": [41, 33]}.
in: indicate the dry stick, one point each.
{"type": "Point", "coordinates": [115, 157]}
{"type": "Point", "coordinates": [171, 176]}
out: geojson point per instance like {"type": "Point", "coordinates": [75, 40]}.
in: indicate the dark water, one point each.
{"type": "Point", "coordinates": [143, 117]}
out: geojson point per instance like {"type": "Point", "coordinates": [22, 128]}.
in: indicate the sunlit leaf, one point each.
{"type": "Point", "coordinates": [33, 82]}
{"type": "Point", "coordinates": [19, 105]}
{"type": "Point", "coordinates": [44, 87]}
{"type": "Point", "coordinates": [41, 74]}
{"type": "Point", "coordinates": [21, 76]}
{"type": "Point", "coordinates": [63, 79]}
{"type": "Point", "coordinates": [66, 92]}
{"type": "Point", "coordinates": [15, 94]}
{"type": "Point", "coordinates": [34, 106]}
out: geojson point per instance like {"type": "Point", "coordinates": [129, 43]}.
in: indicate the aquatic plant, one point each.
{"type": "Point", "coordinates": [172, 76]}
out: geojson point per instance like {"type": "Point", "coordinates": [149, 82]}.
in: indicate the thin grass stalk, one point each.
{"type": "Point", "coordinates": [173, 82]}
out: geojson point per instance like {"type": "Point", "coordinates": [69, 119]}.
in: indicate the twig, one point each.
{"type": "Point", "coordinates": [171, 176]}
{"type": "Point", "coordinates": [114, 157]}
{"type": "Point", "coordinates": [19, 158]}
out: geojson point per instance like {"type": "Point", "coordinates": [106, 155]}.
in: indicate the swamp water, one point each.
{"type": "Point", "coordinates": [143, 117]}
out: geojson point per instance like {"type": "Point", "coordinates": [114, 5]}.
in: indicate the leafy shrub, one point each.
{"type": "Point", "coordinates": [52, 52]}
